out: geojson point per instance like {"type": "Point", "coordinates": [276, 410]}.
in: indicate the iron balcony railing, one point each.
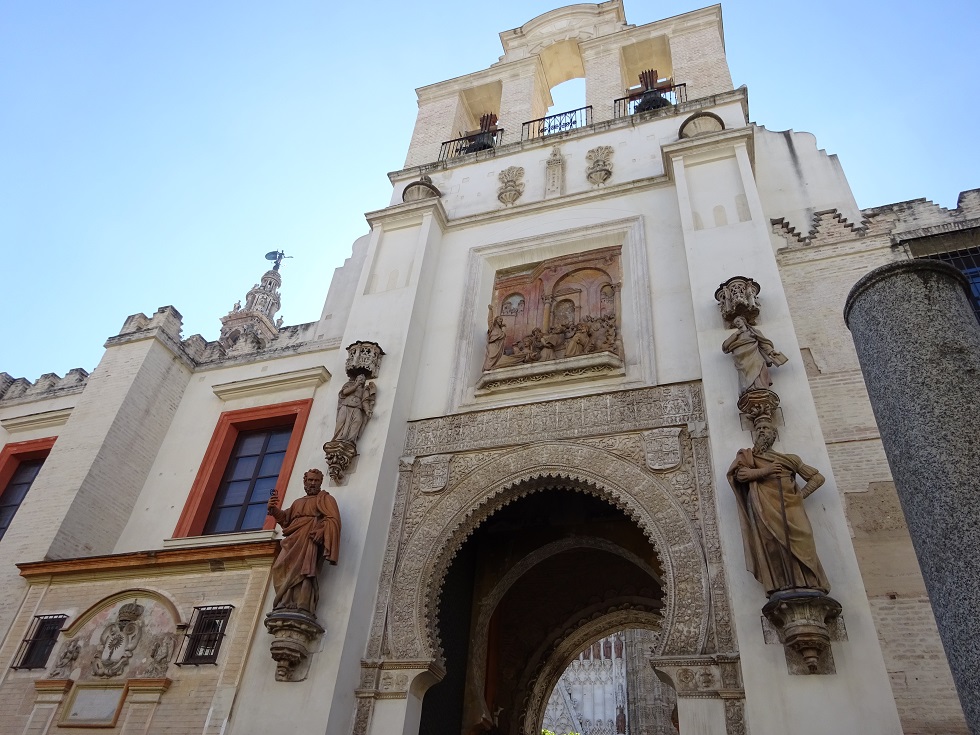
{"type": "Point", "coordinates": [479, 141]}
{"type": "Point", "coordinates": [651, 99]}
{"type": "Point", "coordinates": [560, 123]}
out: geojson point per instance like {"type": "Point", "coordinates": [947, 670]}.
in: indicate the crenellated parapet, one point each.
{"type": "Point", "coordinates": [900, 222]}
{"type": "Point", "coordinates": [827, 227]}
{"type": "Point", "coordinates": [48, 385]}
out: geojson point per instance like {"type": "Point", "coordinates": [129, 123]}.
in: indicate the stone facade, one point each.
{"type": "Point", "coordinates": [510, 503]}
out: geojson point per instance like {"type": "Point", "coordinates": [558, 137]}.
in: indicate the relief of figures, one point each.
{"type": "Point", "coordinates": [558, 308]}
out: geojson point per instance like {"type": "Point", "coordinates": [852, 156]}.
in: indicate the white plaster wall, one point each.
{"type": "Point", "coordinates": [858, 697]}
{"type": "Point", "coordinates": [165, 492]}
{"type": "Point", "coordinates": [796, 178]}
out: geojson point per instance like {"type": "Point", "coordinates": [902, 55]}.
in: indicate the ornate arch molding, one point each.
{"type": "Point", "coordinates": [530, 718]}
{"type": "Point", "coordinates": [446, 523]}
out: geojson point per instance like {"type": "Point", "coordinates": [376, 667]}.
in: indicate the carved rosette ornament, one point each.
{"type": "Point", "coordinates": [511, 185]}
{"type": "Point", "coordinates": [599, 170]}
{"type": "Point", "coordinates": [355, 405]}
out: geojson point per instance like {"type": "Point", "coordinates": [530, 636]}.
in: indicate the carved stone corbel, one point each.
{"type": "Point", "coordinates": [801, 619]}
{"type": "Point", "coordinates": [294, 633]}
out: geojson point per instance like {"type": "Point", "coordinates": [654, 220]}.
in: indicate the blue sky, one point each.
{"type": "Point", "coordinates": [152, 153]}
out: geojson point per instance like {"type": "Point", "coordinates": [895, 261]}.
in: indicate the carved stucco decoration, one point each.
{"type": "Point", "coordinates": [433, 538]}
{"type": "Point", "coordinates": [554, 177]}
{"type": "Point", "coordinates": [662, 448]}
{"type": "Point", "coordinates": [433, 473]}
{"type": "Point", "coordinates": [511, 184]}
{"type": "Point", "coordinates": [63, 667]}
{"type": "Point", "coordinates": [118, 640]}
{"type": "Point", "coordinates": [481, 443]}
{"type": "Point", "coordinates": [161, 652]}
{"type": "Point", "coordinates": [599, 170]}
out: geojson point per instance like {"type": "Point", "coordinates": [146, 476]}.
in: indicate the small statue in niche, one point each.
{"type": "Point", "coordinates": [311, 533]}
{"type": "Point", "coordinates": [753, 354]}
{"type": "Point", "coordinates": [496, 333]}
{"type": "Point", "coordinates": [776, 533]}
{"type": "Point", "coordinates": [354, 407]}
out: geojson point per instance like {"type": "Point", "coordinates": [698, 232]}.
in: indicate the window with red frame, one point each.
{"type": "Point", "coordinates": [20, 463]}
{"type": "Point", "coordinates": [251, 454]}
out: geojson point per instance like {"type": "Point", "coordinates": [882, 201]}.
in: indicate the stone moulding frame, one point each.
{"type": "Point", "coordinates": [636, 321]}
{"type": "Point", "coordinates": [487, 459]}
{"type": "Point", "coordinates": [430, 546]}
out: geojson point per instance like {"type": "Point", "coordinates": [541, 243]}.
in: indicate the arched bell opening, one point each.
{"type": "Point", "coordinates": [522, 588]}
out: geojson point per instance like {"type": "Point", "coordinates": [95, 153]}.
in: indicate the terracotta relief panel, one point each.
{"type": "Point", "coordinates": [558, 308]}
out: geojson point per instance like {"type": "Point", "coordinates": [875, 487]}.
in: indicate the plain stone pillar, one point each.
{"type": "Point", "coordinates": [918, 343]}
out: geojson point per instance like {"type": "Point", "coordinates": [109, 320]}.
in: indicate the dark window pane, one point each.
{"type": "Point", "coordinates": [279, 441]}
{"type": "Point", "coordinates": [252, 472]}
{"type": "Point", "coordinates": [13, 494]}
{"type": "Point", "coordinates": [263, 489]}
{"type": "Point", "coordinates": [250, 443]}
{"type": "Point", "coordinates": [254, 517]}
{"type": "Point", "coordinates": [243, 468]}
{"type": "Point", "coordinates": [226, 520]}
{"type": "Point", "coordinates": [27, 471]}
{"type": "Point", "coordinates": [271, 464]}
{"type": "Point", "coordinates": [234, 493]}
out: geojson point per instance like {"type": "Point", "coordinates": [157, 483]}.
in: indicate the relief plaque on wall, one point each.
{"type": "Point", "coordinates": [556, 318]}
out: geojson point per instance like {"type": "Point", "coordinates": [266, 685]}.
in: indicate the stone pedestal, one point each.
{"type": "Point", "coordinates": [294, 633]}
{"type": "Point", "coordinates": [918, 343]}
{"type": "Point", "coordinates": [801, 619]}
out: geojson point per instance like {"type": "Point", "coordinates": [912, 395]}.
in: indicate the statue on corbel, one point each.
{"type": "Point", "coordinates": [311, 535]}
{"type": "Point", "coordinates": [355, 406]}
{"type": "Point", "coordinates": [776, 533]}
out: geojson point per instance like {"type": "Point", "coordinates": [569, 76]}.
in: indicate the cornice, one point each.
{"type": "Point", "coordinates": [307, 380]}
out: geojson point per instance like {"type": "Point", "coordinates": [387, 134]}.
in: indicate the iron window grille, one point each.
{"type": "Point", "coordinates": [967, 262]}
{"type": "Point", "coordinates": [37, 646]}
{"type": "Point", "coordinates": [207, 629]}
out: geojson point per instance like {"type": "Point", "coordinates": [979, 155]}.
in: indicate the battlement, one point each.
{"type": "Point", "coordinates": [48, 385]}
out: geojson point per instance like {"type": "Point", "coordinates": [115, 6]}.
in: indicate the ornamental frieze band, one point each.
{"type": "Point", "coordinates": [567, 418]}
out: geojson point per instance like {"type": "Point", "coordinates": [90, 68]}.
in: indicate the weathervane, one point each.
{"type": "Point", "coordinates": [276, 256]}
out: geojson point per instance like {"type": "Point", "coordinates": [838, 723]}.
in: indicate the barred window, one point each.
{"type": "Point", "coordinates": [36, 647]}
{"type": "Point", "coordinates": [207, 629]}
{"type": "Point", "coordinates": [966, 262]}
